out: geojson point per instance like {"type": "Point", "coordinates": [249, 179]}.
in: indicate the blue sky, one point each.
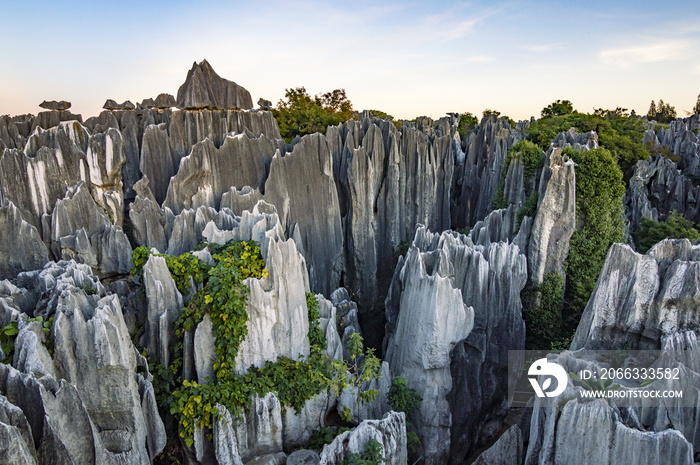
{"type": "Point", "coordinates": [405, 58]}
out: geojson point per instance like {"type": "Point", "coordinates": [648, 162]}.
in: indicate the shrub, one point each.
{"type": "Point", "coordinates": [542, 305]}
{"type": "Point", "coordinates": [373, 455]}
{"type": "Point", "coordinates": [599, 214]}
{"type": "Point", "coordinates": [675, 227]}
{"type": "Point", "coordinates": [300, 114]}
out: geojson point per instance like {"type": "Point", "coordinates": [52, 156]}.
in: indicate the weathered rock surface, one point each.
{"type": "Point", "coordinates": [55, 105]}
{"type": "Point", "coordinates": [21, 247]}
{"type": "Point", "coordinates": [277, 314]}
{"type": "Point", "coordinates": [428, 317]}
{"type": "Point", "coordinates": [79, 229]}
{"type": "Point", "coordinates": [238, 440]}
{"type": "Point", "coordinates": [656, 189]}
{"type": "Point", "coordinates": [164, 306]}
{"type": "Point", "coordinates": [203, 88]}
{"type": "Point", "coordinates": [208, 172]}
{"type": "Point", "coordinates": [579, 142]}
{"type": "Point", "coordinates": [681, 138]}
{"type": "Point", "coordinates": [555, 220]}
{"type": "Point", "coordinates": [508, 450]}
{"type": "Point", "coordinates": [477, 179]}
{"type": "Point", "coordinates": [639, 299]}
{"type": "Point", "coordinates": [575, 432]}
{"type": "Point", "coordinates": [390, 432]}
{"type": "Point", "coordinates": [89, 406]}
{"type": "Point", "coordinates": [488, 279]}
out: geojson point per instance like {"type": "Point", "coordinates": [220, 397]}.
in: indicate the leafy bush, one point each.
{"type": "Point", "coordinates": [361, 369]}
{"type": "Point", "coordinates": [675, 227]}
{"type": "Point", "coordinates": [407, 400]}
{"type": "Point", "coordinates": [532, 158]}
{"type": "Point", "coordinates": [323, 436]}
{"type": "Point", "coordinates": [373, 455]}
{"type": "Point", "coordinates": [558, 108]}
{"type": "Point", "coordinates": [467, 122]}
{"type": "Point", "coordinates": [622, 135]}
{"type": "Point", "coordinates": [529, 208]}
{"type": "Point", "coordinates": [542, 305]}
{"type": "Point", "coordinates": [403, 398]}
{"type": "Point", "coordinates": [8, 333]}
{"type": "Point", "coordinates": [300, 114]}
{"type": "Point", "coordinates": [599, 214]}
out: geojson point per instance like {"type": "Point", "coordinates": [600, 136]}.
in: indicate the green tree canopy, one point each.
{"type": "Point", "coordinates": [696, 108]}
{"type": "Point", "coordinates": [662, 112]}
{"type": "Point", "coordinates": [599, 214]}
{"type": "Point", "coordinates": [675, 227]}
{"type": "Point", "coordinates": [558, 108]}
{"type": "Point", "coordinates": [301, 114]}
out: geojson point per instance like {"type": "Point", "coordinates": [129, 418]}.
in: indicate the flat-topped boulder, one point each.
{"type": "Point", "coordinates": [55, 105]}
{"type": "Point", "coordinates": [203, 88]}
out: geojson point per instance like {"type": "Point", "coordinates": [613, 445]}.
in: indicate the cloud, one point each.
{"type": "Point", "coordinates": [537, 48]}
{"type": "Point", "coordinates": [481, 59]}
{"type": "Point", "coordinates": [651, 52]}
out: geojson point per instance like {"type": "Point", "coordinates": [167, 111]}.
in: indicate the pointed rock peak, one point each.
{"type": "Point", "coordinates": [203, 88]}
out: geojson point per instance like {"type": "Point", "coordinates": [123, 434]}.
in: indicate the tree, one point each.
{"type": "Point", "coordinates": [696, 108]}
{"type": "Point", "coordinates": [675, 227]}
{"type": "Point", "coordinates": [662, 113]}
{"type": "Point", "coordinates": [300, 114]}
{"type": "Point", "coordinates": [558, 108]}
{"type": "Point", "coordinates": [467, 122]}
{"type": "Point", "coordinates": [488, 112]}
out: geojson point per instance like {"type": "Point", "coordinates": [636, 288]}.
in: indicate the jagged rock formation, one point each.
{"type": "Point", "coordinates": [21, 248]}
{"type": "Point", "coordinates": [507, 450]}
{"type": "Point", "coordinates": [203, 88]}
{"type": "Point", "coordinates": [657, 188]}
{"type": "Point", "coordinates": [555, 220]}
{"type": "Point", "coordinates": [476, 180]}
{"type": "Point", "coordinates": [208, 172]}
{"type": "Point", "coordinates": [681, 138]}
{"type": "Point", "coordinates": [579, 142]}
{"type": "Point", "coordinates": [55, 105]}
{"type": "Point", "coordinates": [89, 405]}
{"type": "Point", "coordinates": [446, 274]}
{"type": "Point", "coordinates": [592, 433]}
{"type": "Point", "coordinates": [639, 299]}
{"type": "Point", "coordinates": [390, 432]}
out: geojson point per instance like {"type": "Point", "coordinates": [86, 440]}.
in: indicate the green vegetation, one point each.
{"type": "Point", "coordinates": [497, 114]}
{"type": "Point", "coordinates": [407, 400]}
{"type": "Point", "coordinates": [675, 227]}
{"type": "Point", "coordinates": [532, 158]}
{"type": "Point", "coordinates": [529, 208]}
{"type": "Point", "coordinates": [696, 108]}
{"type": "Point", "coordinates": [381, 114]}
{"type": "Point", "coordinates": [558, 108]}
{"type": "Point", "coordinates": [661, 112]}
{"type": "Point", "coordinates": [300, 114]}
{"type": "Point", "coordinates": [323, 436]}
{"type": "Point", "coordinates": [221, 294]}
{"type": "Point", "coordinates": [373, 455]}
{"type": "Point", "coordinates": [542, 305]}
{"type": "Point", "coordinates": [467, 123]}
{"type": "Point", "coordinates": [360, 373]}
{"type": "Point", "coordinates": [8, 334]}
{"type": "Point", "coordinates": [621, 134]}
{"type": "Point", "coordinates": [599, 216]}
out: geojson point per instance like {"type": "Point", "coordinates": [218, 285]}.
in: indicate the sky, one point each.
{"type": "Point", "coordinates": [402, 57]}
